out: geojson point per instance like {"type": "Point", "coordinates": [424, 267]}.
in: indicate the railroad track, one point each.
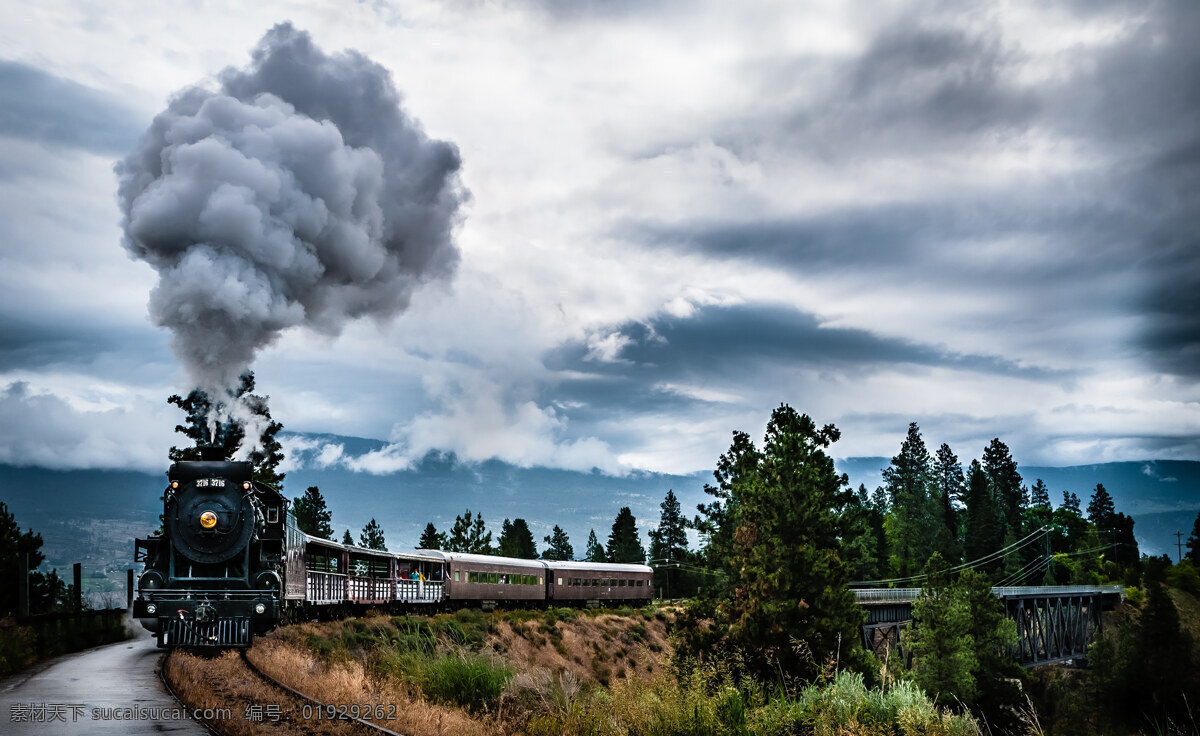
{"type": "Point", "coordinates": [297, 712]}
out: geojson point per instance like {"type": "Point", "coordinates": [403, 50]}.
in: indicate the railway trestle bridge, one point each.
{"type": "Point", "coordinates": [1054, 623]}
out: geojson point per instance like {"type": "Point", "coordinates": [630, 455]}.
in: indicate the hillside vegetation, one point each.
{"type": "Point", "coordinates": [564, 671]}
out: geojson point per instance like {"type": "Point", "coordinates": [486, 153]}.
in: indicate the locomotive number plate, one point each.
{"type": "Point", "coordinates": [210, 483]}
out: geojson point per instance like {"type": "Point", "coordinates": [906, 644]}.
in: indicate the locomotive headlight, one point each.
{"type": "Point", "coordinates": [260, 609]}
{"type": "Point", "coordinates": [246, 486]}
{"type": "Point", "coordinates": [175, 484]}
{"type": "Point", "coordinates": [208, 520]}
{"type": "Point", "coordinates": [151, 609]}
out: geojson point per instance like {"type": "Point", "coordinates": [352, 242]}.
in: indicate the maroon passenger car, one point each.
{"type": "Point", "coordinates": [595, 584]}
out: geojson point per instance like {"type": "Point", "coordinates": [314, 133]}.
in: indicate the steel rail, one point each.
{"type": "Point", "coordinates": [162, 676]}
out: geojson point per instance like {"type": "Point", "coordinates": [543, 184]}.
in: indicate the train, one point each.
{"type": "Point", "coordinates": [231, 563]}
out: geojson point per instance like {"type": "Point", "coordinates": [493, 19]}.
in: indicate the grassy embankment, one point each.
{"type": "Point", "coordinates": [567, 672]}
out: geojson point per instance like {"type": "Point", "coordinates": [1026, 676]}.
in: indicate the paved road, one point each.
{"type": "Point", "coordinates": [62, 696]}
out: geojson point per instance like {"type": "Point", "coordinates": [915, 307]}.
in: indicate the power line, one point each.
{"type": "Point", "coordinates": [1019, 544]}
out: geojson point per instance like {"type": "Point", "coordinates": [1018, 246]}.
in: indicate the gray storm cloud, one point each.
{"type": "Point", "coordinates": [297, 194]}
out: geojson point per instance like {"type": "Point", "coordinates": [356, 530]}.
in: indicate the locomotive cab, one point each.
{"type": "Point", "coordinates": [213, 578]}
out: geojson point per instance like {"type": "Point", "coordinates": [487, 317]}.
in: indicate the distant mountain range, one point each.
{"type": "Point", "coordinates": [92, 515]}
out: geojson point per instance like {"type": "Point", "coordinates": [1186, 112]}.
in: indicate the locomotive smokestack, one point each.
{"type": "Point", "coordinates": [299, 193]}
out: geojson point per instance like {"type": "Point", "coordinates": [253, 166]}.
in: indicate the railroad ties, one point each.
{"type": "Point", "coordinates": [1054, 623]}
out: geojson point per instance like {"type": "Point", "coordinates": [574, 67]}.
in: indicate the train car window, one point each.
{"type": "Point", "coordinates": [621, 584]}
{"type": "Point", "coordinates": [639, 583]}
{"type": "Point", "coordinates": [273, 515]}
{"type": "Point", "coordinates": [456, 576]}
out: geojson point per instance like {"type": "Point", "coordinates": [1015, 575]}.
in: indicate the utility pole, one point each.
{"type": "Point", "coordinates": [1179, 546]}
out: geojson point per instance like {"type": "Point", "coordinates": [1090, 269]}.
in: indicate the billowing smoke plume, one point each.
{"type": "Point", "coordinates": [298, 194]}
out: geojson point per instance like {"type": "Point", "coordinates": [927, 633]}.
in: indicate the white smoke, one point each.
{"type": "Point", "coordinates": [299, 194]}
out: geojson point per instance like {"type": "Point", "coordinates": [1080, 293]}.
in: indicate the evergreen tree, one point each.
{"type": "Point", "coordinates": [785, 579]}
{"type": "Point", "coordinates": [714, 520]}
{"type": "Point", "coordinates": [1039, 496]}
{"type": "Point", "coordinates": [470, 534]}
{"type": "Point", "coordinates": [993, 636]}
{"type": "Point", "coordinates": [864, 532]}
{"type": "Point", "coordinates": [943, 650]}
{"type": "Point", "coordinates": [480, 538]}
{"type": "Point", "coordinates": [431, 538]}
{"type": "Point", "coordinates": [312, 516]}
{"type": "Point", "coordinates": [346, 538]}
{"type": "Point", "coordinates": [908, 480]}
{"type": "Point", "coordinates": [1005, 481]}
{"type": "Point", "coordinates": [229, 433]}
{"type": "Point", "coordinates": [1193, 543]}
{"type": "Point", "coordinates": [1126, 553]}
{"type": "Point", "coordinates": [669, 547]}
{"type": "Point", "coordinates": [372, 536]}
{"type": "Point", "coordinates": [558, 546]}
{"type": "Point", "coordinates": [595, 553]}
{"type": "Point", "coordinates": [950, 489]}
{"type": "Point", "coordinates": [982, 527]}
{"type": "Point", "coordinates": [624, 542]}
{"type": "Point", "coordinates": [13, 544]}
{"type": "Point", "coordinates": [1071, 502]}
{"type": "Point", "coordinates": [1100, 509]}
{"type": "Point", "coordinates": [516, 540]}
{"type": "Point", "coordinates": [960, 641]}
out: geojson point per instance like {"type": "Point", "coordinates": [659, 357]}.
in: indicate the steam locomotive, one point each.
{"type": "Point", "coordinates": [231, 563]}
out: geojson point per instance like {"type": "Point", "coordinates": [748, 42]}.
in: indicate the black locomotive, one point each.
{"type": "Point", "coordinates": [214, 576]}
{"type": "Point", "coordinates": [231, 563]}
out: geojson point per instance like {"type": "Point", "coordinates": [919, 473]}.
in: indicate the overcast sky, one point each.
{"type": "Point", "coordinates": [982, 217]}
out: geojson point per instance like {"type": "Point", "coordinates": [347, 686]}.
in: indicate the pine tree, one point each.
{"type": "Point", "coordinates": [1039, 496]}
{"type": "Point", "coordinates": [1193, 543]}
{"type": "Point", "coordinates": [229, 433]}
{"type": "Point", "coordinates": [785, 578]}
{"type": "Point", "coordinates": [372, 536]}
{"type": "Point", "coordinates": [993, 636]}
{"type": "Point", "coordinates": [714, 520]}
{"type": "Point", "coordinates": [312, 516]}
{"type": "Point", "coordinates": [624, 542]}
{"type": "Point", "coordinates": [862, 542]}
{"type": "Point", "coordinates": [1100, 509]}
{"type": "Point", "coordinates": [516, 540]}
{"type": "Point", "coordinates": [431, 538]}
{"type": "Point", "coordinates": [558, 546]}
{"type": "Point", "coordinates": [470, 534]}
{"type": "Point", "coordinates": [943, 651]}
{"type": "Point", "coordinates": [595, 553]}
{"type": "Point", "coordinates": [346, 538]}
{"type": "Point", "coordinates": [668, 546]}
{"type": "Point", "coordinates": [908, 481]}
{"type": "Point", "coordinates": [480, 539]}
{"type": "Point", "coordinates": [1071, 502]}
{"type": "Point", "coordinates": [1007, 493]}
{"type": "Point", "coordinates": [960, 641]}
{"type": "Point", "coordinates": [982, 527]}
{"type": "Point", "coordinates": [950, 488]}
{"type": "Point", "coordinates": [13, 544]}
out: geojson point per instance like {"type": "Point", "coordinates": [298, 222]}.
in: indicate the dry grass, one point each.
{"type": "Point", "coordinates": [224, 681]}
{"type": "Point", "coordinates": [557, 662]}
{"type": "Point", "coordinates": [347, 682]}
{"type": "Point", "coordinates": [595, 649]}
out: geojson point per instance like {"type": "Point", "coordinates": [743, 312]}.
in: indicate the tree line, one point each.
{"type": "Point", "coordinates": [48, 593]}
